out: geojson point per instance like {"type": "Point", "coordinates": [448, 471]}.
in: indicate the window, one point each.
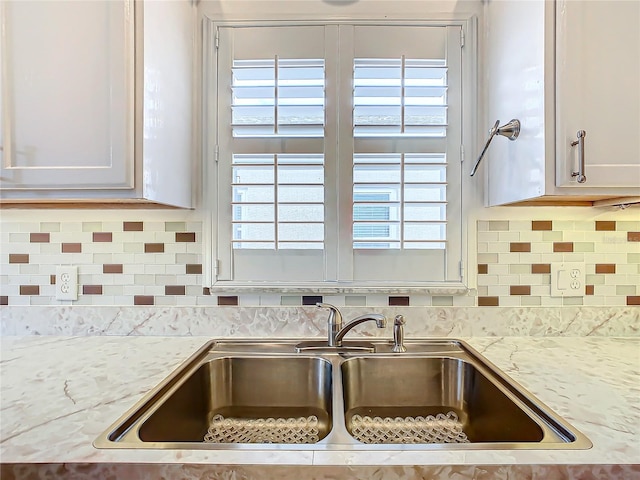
{"type": "Point", "coordinates": [371, 219]}
{"type": "Point", "coordinates": [337, 154]}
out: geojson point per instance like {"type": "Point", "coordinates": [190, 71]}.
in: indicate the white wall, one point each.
{"type": "Point", "coordinates": [323, 9]}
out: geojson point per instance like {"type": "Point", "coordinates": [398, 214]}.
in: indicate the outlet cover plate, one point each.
{"type": "Point", "coordinates": [66, 283]}
{"type": "Point", "coordinates": [568, 279]}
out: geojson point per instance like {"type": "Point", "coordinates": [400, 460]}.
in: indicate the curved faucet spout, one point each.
{"type": "Point", "coordinates": [381, 322]}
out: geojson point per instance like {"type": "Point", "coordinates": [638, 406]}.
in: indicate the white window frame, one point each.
{"type": "Point", "coordinates": [218, 282]}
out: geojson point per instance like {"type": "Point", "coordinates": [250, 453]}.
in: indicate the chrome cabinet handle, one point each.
{"type": "Point", "coordinates": [580, 174]}
{"type": "Point", "coordinates": [510, 130]}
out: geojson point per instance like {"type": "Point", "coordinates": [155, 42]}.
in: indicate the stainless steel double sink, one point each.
{"type": "Point", "coordinates": [337, 387]}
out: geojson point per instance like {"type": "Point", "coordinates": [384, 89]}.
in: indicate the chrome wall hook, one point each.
{"type": "Point", "coordinates": [510, 130]}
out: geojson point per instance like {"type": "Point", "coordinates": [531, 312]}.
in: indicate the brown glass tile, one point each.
{"type": "Point", "coordinates": [4, 300]}
{"type": "Point", "coordinates": [605, 226]}
{"type": "Point", "coordinates": [29, 289]}
{"type": "Point", "coordinates": [605, 268]}
{"type": "Point", "coordinates": [589, 289]}
{"type": "Point", "coordinates": [92, 289]}
{"type": "Point", "coordinates": [633, 300]}
{"type": "Point", "coordinates": [143, 300]}
{"type": "Point", "coordinates": [541, 268]}
{"type": "Point", "coordinates": [132, 226]}
{"type": "Point", "coordinates": [563, 247]}
{"type": "Point", "coordinates": [153, 247]}
{"type": "Point", "coordinates": [194, 268]}
{"type": "Point", "coordinates": [488, 301]}
{"type": "Point", "coordinates": [71, 247]}
{"type": "Point", "coordinates": [175, 289]}
{"type": "Point", "coordinates": [102, 237]}
{"type": "Point", "coordinates": [52, 279]}
{"type": "Point", "coordinates": [541, 225]}
{"type": "Point", "coordinates": [18, 258]}
{"type": "Point", "coordinates": [633, 236]}
{"type": "Point", "coordinates": [228, 301]}
{"type": "Point", "coordinates": [398, 301]}
{"type": "Point", "coordinates": [520, 247]}
{"type": "Point", "coordinates": [206, 291]}
{"type": "Point", "coordinates": [112, 268]}
{"type": "Point", "coordinates": [39, 237]}
{"type": "Point", "coordinates": [188, 237]}
{"type": "Point", "coordinates": [520, 290]}
{"type": "Point", "coordinates": [483, 268]}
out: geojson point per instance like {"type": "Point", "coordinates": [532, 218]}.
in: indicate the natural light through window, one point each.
{"type": "Point", "coordinates": [278, 97]}
{"type": "Point", "coordinates": [403, 195]}
{"type": "Point", "coordinates": [338, 153]}
{"type": "Point", "coordinates": [399, 96]}
{"type": "Point", "coordinates": [278, 201]}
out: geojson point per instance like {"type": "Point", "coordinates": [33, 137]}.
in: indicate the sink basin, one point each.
{"type": "Point", "coordinates": [233, 390]}
{"type": "Point", "coordinates": [401, 388]}
{"type": "Point", "coordinates": [249, 394]}
{"type": "Point", "coordinates": [243, 388]}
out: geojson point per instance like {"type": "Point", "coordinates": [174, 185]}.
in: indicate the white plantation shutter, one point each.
{"type": "Point", "coordinates": [269, 210]}
{"type": "Point", "coordinates": [411, 188]}
{"type": "Point", "coordinates": [271, 96]}
{"type": "Point", "coordinates": [338, 154]}
{"type": "Point", "coordinates": [398, 96]}
{"type": "Point", "coordinates": [406, 144]}
{"type": "Point", "coordinates": [278, 97]}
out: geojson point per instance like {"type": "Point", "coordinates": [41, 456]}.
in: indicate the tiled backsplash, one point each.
{"type": "Point", "coordinates": [119, 263]}
{"type": "Point", "coordinates": [515, 257]}
{"type": "Point", "coordinates": [160, 263]}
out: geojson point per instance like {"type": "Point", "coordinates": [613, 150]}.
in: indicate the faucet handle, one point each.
{"type": "Point", "coordinates": [335, 317]}
{"type": "Point", "coordinates": [334, 323]}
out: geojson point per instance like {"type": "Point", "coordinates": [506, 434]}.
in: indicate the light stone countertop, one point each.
{"type": "Point", "coordinates": [59, 393]}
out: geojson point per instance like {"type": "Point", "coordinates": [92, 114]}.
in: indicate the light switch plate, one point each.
{"type": "Point", "coordinates": [568, 279]}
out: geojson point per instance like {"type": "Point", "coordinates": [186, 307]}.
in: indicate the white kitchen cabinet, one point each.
{"type": "Point", "coordinates": [96, 101]}
{"type": "Point", "coordinates": [561, 67]}
{"type": "Point", "coordinates": [67, 95]}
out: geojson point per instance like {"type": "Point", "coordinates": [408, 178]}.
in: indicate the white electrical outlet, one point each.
{"type": "Point", "coordinates": [66, 283]}
{"type": "Point", "coordinates": [568, 279]}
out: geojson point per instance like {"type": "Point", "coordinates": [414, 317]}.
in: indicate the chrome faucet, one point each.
{"type": "Point", "coordinates": [336, 330]}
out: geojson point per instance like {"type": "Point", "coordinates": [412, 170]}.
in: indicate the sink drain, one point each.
{"type": "Point", "coordinates": [441, 428]}
{"type": "Point", "coordinates": [263, 430]}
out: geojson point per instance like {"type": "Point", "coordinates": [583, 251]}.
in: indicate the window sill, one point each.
{"type": "Point", "coordinates": [442, 289]}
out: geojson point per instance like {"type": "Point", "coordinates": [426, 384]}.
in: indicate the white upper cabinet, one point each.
{"type": "Point", "coordinates": [598, 85]}
{"type": "Point", "coordinates": [166, 85]}
{"type": "Point", "coordinates": [561, 68]}
{"type": "Point", "coordinates": [67, 95]}
{"type": "Point", "coordinates": [90, 109]}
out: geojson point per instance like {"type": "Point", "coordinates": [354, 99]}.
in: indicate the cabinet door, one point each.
{"type": "Point", "coordinates": [598, 91]}
{"type": "Point", "coordinates": [67, 94]}
{"type": "Point", "coordinates": [516, 88]}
